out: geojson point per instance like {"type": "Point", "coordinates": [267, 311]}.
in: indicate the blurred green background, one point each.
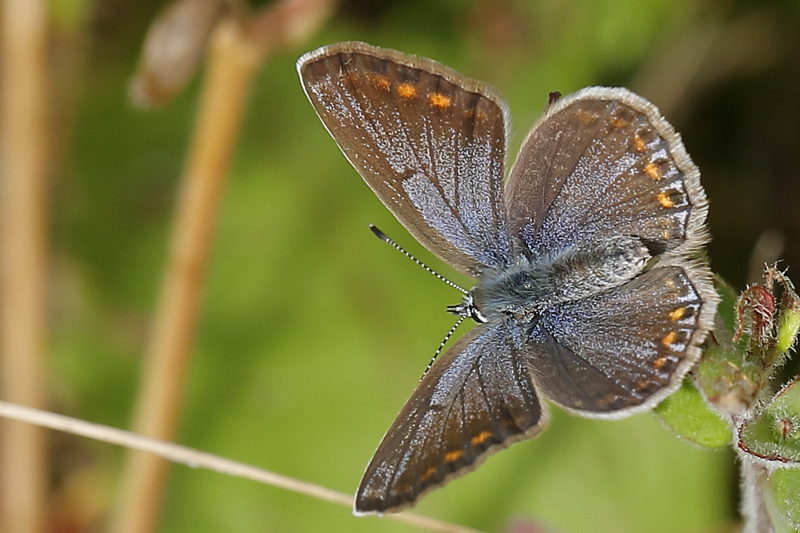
{"type": "Point", "coordinates": [313, 333]}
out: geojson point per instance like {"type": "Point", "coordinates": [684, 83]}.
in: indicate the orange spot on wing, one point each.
{"type": "Point", "coordinates": [406, 90]}
{"type": "Point", "coordinates": [608, 399]}
{"type": "Point", "coordinates": [651, 169]}
{"type": "Point", "coordinates": [660, 363]}
{"type": "Point", "coordinates": [585, 117]}
{"type": "Point", "coordinates": [677, 313]}
{"type": "Point", "coordinates": [381, 82]}
{"type": "Point", "coordinates": [480, 438]}
{"type": "Point", "coordinates": [442, 101]}
{"type": "Point", "coordinates": [664, 199]}
{"type": "Point", "coordinates": [669, 338]}
{"type": "Point", "coordinates": [619, 122]}
{"type": "Point", "coordinates": [352, 77]}
{"type": "Point", "coordinates": [429, 473]}
{"type": "Point", "coordinates": [452, 456]}
{"type": "Point", "coordinates": [639, 144]}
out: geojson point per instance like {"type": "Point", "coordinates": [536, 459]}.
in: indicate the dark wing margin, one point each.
{"type": "Point", "coordinates": [477, 398]}
{"type": "Point", "coordinates": [603, 161]}
{"type": "Point", "coordinates": [623, 351]}
{"type": "Point", "coordinates": [429, 142]}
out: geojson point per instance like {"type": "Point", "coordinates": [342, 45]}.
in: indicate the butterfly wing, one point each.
{"type": "Point", "coordinates": [477, 398]}
{"type": "Point", "coordinates": [603, 161]}
{"type": "Point", "coordinates": [430, 144]}
{"type": "Point", "coordinates": [624, 350]}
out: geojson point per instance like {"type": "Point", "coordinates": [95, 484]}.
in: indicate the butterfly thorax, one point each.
{"type": "Point", "coordinates": [532, 285]}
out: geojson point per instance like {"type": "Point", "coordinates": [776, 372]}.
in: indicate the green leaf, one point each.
{"type": "Point", "coordinates": [688, 414]}
{"type": "Point", "coordinates": [784, 499]}
{"type": "Point", "coordinates": [774, 433]}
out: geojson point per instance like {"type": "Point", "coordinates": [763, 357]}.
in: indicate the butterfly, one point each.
{"type": "Point", "coordinates": [590, 291]}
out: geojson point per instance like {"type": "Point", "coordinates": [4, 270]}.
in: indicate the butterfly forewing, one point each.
{"type": "Point", "coordinates": [430, 143]}
{"type": "Point", "coordinates": [624, 350]}
{"type": "Point", "coordinates": [604, 162]}
{"type": "Point", "coordinates": [477, 398]}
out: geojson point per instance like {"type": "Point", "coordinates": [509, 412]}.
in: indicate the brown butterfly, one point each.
{"type": "Point", "coordinates": [587, 293]}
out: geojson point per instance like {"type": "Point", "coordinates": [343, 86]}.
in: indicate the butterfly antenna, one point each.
{"type": "Point", "coordinates": [388, 240]}
{"type": "Point", "coordinates": [442, 344]}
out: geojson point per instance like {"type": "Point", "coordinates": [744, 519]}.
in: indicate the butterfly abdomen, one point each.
{"type": "Point", "coordinates": [533, 285]}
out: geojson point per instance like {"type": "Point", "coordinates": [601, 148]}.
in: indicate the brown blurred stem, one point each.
{"type": "Point", "coordinates": [235, 53]}
{"type": "Point", "coordinates": [231, 64]}
{"type": "Point", "coordinates": [24, 160]}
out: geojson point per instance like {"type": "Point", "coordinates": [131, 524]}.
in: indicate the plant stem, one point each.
{"type": "Point", "coordinates": [231, 64]}
{"type": "Point", "coordinates": [754, 507]}
{"type": "Point", "coordinates": [196, 459]}
{"type": "Point", "coordinates": [24, 163]}
{"type": "Point", "coordinates": [237, 47]}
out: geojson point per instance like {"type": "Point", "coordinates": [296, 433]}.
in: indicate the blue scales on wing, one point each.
{"type": "Point", "coordinates": [431, 146]}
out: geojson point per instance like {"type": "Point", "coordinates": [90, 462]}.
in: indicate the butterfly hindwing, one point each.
{"type": "Point", "coordinates": [477, 398]}
{"type": "Point", "coordinates": [622, 351]}
{"type": "Point", "coordinates": [430, 143]}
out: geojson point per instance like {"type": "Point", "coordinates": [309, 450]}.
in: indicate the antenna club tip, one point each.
{"type": "Point", "coordinates": [378, 233]}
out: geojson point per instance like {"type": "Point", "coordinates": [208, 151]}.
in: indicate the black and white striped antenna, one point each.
{"type": "Point", "coordinates": [388, 240]}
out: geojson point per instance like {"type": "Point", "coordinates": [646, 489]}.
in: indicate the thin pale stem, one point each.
{"type": "Point", "coordinates": [23, 169]}
{"type": "Point", "coordinates": [754, 506]}
{"type": "Point", "coordinates": [197, 459]}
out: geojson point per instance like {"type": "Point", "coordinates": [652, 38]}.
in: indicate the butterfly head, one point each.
{"type": "Point", "coordinates": [468, 309]}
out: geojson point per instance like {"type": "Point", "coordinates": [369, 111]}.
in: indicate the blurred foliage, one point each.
{"type": "Point", "coordinates": [313, 333]}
